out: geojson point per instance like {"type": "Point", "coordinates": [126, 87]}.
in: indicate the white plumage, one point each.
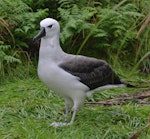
{"type": "Point", "coordinates": [72, 76]}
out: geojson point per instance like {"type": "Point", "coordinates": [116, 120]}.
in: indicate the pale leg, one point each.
{"type": "Point", "coordinates": [58, 124]}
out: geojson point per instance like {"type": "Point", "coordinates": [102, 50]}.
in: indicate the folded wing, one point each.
{"type": "Point", "coordinates": [91, 71]}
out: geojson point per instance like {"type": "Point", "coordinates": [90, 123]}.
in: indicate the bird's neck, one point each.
{"type": "Point", "coordinates": [50, 49]}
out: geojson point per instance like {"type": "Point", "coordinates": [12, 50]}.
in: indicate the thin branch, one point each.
{"type": "Point", "coordinates": [122, 99]}
{"type": "Point", "coordinates": [144, 25]}
{"type": "Point", "coordinates": [139, 132]}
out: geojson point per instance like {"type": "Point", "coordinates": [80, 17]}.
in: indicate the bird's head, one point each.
{"type": "Point", "coordinates": [48, 28]}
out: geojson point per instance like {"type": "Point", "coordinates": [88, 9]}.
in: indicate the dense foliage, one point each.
{"type": "Point", "coordinates": [18, 23]}
{"type": "Point", "coordinates": [27, 108]}
{"type": "Point", "coordinates": [105, 29]}
{"type": "Point", "coordinates": [115, 30]}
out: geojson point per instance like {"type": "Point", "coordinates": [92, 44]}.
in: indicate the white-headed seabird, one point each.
{"type": "Point", "coordinates": [72, 76]}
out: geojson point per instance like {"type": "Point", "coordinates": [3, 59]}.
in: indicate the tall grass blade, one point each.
{"type": "Point", "coordinates": [93, 29]}
{"type": "Point", "coordinates": [138, 63]}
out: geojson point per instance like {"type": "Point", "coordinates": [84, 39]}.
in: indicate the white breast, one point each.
{"type": "Point", "coordinates": [59, 80]}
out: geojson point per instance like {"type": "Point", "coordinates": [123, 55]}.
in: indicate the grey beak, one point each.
{"type": "Point", "coordinates": [41, 34]}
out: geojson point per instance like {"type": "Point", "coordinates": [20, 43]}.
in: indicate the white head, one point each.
{"type": "Point", "coordinates": [49, 28]}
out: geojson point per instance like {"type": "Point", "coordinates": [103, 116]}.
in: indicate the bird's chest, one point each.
{"type": "Point", "coordinates": [56, 78]}
{"type": "Point", "coordinates": [48, 73]}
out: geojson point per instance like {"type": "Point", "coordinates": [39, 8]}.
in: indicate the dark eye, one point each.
{"type": "Point", "coordinates": [50, 26]}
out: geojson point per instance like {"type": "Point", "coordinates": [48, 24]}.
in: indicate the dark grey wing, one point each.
{"type": "Point", "coordinates": [92, 72]}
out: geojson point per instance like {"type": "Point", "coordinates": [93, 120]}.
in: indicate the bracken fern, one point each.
{"type": "Point", "coordinates": [21, 21]}
{"type": "Point", "coordinates": [102, 28]}
{"type": "Point", "coordinates": [6, 60]}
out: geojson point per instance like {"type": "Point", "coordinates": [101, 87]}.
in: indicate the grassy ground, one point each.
{"type": "Point", "coordinates": [27, 108]}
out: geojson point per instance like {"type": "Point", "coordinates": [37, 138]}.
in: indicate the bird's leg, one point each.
{"type": "Point", "coordinates": [68, 103]}
{"type": "Point", "coordinates": [73, 116]}
{"type": "Point", "coordinates": [58, 124]}
{"type": "Point", "coordinates": [66, 111]}
{"type": "Point", "coordinates": [77, 103]}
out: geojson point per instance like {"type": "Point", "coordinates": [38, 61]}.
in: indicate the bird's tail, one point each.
{"type": "Point", "coordinates": [128, 84]}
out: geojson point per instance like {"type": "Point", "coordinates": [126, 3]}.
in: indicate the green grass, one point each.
{"type": "Point", "coordinates": [27, 108]}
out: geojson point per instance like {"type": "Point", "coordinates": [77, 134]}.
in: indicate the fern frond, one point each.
{"type": "Point", "coordinates": [6, 57]}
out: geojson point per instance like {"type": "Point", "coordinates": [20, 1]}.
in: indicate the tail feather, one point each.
{"type": "Point", "coordinates": [128, 84]}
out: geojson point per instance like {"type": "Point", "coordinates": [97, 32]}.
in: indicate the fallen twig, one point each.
{"type": "Point", "coordinates": [144, 25]}
{"type": "Point", "coordinates": [138, 133]}
{"type": "Point", "coordinates": [122, 99]}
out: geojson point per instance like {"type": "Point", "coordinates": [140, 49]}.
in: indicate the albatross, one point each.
{"type": "Point", "coordinates": [74, 77]}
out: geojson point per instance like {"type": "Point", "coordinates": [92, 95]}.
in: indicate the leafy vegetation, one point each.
{"type": "Point", "coordinates": [17, 24]}
{"type": "Point", "coordinates": [27, 108]}
{"type": "Point", "coordinates": [117, 31]}
{"type": "Point", "coordinates": [114, 32]}
{"type": "Point", "coordinates": [6, 59]}
{"type": "Point", "coordinates": [106, 29]}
